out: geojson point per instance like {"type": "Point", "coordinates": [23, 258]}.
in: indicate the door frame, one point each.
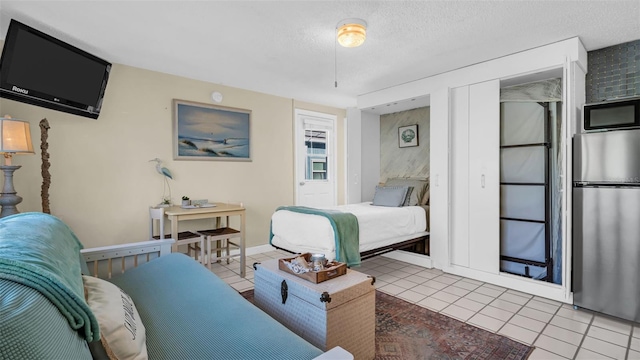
{"type": "Point", "coordinates": [298, 133]}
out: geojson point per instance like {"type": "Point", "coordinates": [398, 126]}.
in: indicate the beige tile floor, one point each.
{"type": "Point", "coordinates": [555, 329]}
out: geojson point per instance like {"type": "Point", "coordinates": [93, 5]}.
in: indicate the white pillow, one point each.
{"type": "Point", "coordinates": [120, 324]}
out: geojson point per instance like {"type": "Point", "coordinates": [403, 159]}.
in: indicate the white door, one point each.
{"type": "Point", "coordinates": [315, 159]}
{"type": "Point", "coordinates": [484, 176]}
{"type": "Point", "coordinates": [475, 191]}
{"type": "Point", "coordinates": [459, 200]}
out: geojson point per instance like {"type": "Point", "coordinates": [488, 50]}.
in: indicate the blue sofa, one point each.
{"type": "Point", "coordinates": [187, 311]}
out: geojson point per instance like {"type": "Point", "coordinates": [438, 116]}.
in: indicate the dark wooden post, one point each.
{"type": "Point", "coordinates": [46, 177]}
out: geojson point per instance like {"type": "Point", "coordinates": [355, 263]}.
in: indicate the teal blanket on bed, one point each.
{"type": "Point", "coordinates": [39, 251]}
{"type": "Point", "coordinates": [346, 230]}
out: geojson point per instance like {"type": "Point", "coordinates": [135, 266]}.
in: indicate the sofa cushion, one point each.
{"type": "Point", "coordinates": [190, 313]}
{"type": "Point", "coordinates": [122, 332]}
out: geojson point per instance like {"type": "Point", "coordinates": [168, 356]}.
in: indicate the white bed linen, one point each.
{"type": "Point", "coordinates": [378, 226]}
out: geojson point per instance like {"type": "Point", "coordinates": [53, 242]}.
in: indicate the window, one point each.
{"type": "Point", "coordinates": [315, 142]}
{"type": "Point", "coordinates": [319, 169]}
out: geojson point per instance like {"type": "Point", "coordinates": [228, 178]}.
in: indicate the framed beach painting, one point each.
{"type": "Point", "coordinates": [408, 135]}
{"type": "Point", "coordinates": [210, 132]}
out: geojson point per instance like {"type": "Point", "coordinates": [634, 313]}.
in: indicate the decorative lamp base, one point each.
{"type": "Point", "coordinates": [8, 197]}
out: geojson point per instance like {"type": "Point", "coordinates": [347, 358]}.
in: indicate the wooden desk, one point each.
{"type": "Point", "coordinates": [177, 214]}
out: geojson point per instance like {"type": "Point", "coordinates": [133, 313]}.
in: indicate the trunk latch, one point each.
{"type": "Point", "coordinates": [284, 291]}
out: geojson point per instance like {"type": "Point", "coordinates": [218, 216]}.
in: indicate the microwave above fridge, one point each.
{"type": "Point", "coordinates": [612, 114]}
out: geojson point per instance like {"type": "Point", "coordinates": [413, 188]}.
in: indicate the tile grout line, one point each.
{"type": "Point", "coordinates": [512, 316]}
{"type": "Point", "coordinates": [606, 341]}
{"type": "Point", "coordinates": [538, 333]}
{"type": "Point", "coordinates": [626, 354]}
{"type": "Point", "coordinates": [545, 327]}
{"type": "Point", "coordinates": [437, 291]}
{"type": "Point", "coordinates": [584, 337]}
{"type": "Point", "coordinates": [485, 305]}
{"type": "Point", "coordinates": [489, 304]}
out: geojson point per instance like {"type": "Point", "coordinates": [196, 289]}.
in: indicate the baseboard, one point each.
{"type": "Point", "coordinates": [254, 250]}
{"type": "Point", "coordinates": [411, 258]}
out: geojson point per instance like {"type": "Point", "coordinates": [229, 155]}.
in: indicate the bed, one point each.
{"type": "Point", "coordinates": [383, 225]}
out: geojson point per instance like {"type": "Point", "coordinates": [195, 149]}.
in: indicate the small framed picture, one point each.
{"type": "Point", "coordinates": [408, 135]}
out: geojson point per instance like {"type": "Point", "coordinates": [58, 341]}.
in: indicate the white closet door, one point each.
{"type": "Point", "coordinates": [484, 176]}
{"type": "Point", "coordinates": [459, 230]}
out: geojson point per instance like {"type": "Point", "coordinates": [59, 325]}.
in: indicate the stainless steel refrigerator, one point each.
{"type": "Point", "coordinates": [606, 222]}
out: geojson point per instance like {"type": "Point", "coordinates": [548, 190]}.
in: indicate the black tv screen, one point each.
{"type": "Point", "coordinates": [38, 69]}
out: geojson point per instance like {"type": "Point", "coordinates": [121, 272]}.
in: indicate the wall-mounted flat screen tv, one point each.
{"type": "Point", "coordinates": [41, 70]}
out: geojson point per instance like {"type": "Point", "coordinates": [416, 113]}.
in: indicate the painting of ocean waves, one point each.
{"type": "Point", "coordinates": [188, 146]}
{"type": "Point", "coordinates": [208, 132]}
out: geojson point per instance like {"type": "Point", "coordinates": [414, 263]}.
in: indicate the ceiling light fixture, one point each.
{"type": "Point", "coordinates": [352, 32]}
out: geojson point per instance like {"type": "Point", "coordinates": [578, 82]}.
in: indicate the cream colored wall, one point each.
{"type": "Point", "coordinates": [102, 181]}
{"type": "Point", "coordinates": [409, 161]}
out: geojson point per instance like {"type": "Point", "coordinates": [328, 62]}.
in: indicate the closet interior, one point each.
{"type": "Point", "coordinates": [530, 172]}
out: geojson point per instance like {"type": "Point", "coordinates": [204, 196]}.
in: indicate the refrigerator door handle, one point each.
{"type": "Point", "coordinates": [482, 181]}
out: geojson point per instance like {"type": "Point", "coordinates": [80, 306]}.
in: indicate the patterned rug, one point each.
{"type": "Point", "coordinates": [408, 331]}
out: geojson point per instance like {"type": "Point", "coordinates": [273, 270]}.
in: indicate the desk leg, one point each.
{"type": "Point", "coordinates": [174, 234]}
{"type": "Point", "coordinates": [218, 242]}
{"type": "Point", "coordinates": [209, 252]}
{"type": "Point", "coordinates": [243, 268]}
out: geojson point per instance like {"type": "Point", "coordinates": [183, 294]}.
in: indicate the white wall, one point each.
{"type": "Point", "coordinates": [370, 154]}
{"type": "Point", "coordinates": [102, 181]}
{"type": "Point", "coordinates": [353, 126]}
{"type": "Point", "coordinates": [408, 161]}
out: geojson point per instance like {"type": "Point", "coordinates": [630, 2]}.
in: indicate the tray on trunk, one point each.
{"type": "Point", "coordinates": [332, 270]}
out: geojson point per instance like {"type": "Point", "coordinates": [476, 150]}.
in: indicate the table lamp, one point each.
{"type": "Point", "coordinates": [15, 138]}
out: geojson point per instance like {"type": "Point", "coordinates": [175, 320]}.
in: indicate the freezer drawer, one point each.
{"type": "Point", "coordinates": [606, 250]}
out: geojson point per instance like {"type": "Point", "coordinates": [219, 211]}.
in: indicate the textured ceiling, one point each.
{"type": "Point", "coordinates": [286, 48]}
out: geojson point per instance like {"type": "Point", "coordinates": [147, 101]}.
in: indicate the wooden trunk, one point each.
{"type": "Point", "coordinates": [336, 312]}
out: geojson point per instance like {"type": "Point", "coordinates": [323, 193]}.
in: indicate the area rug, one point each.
{"type": "Point", "coordinates": [408, 331]}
